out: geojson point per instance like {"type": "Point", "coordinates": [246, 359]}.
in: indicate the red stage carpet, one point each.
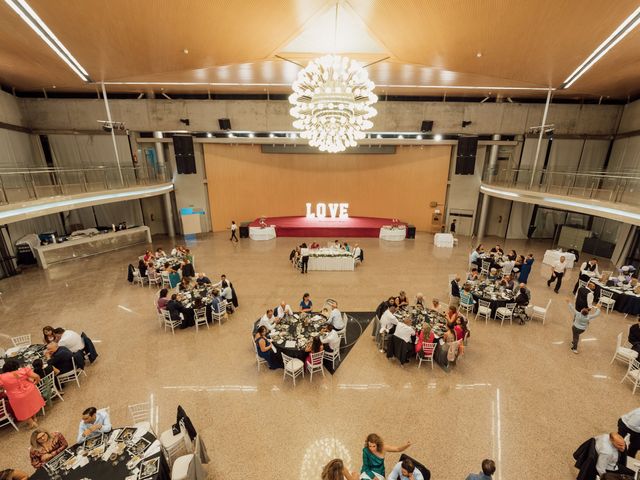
{"type": "Point", "coordinates": [326, 227]}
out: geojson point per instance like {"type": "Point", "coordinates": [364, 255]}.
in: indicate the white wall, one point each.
{"type": "Point", "coordinates": [625, 154]}
{"type": "Point", "coordinates": [11, 110]}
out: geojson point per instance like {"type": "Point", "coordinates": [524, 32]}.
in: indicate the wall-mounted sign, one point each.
{"type": "Point", "coordinates": [335, 210]}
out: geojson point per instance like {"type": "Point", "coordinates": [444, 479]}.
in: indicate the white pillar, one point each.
{"type": "Point", "coordinates": [542, 129]}
{"type": "Point", "coordinates": [168, 207]}
{"type": "Point", "coordinates": [113, 135]}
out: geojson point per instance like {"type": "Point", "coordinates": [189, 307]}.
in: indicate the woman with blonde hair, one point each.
{"type": "Point", "coordinates": [45, 446]}
{"type": "Point", "coordinates": [335, 470]}
{"type": "Point", "coordinates": [373, 456]}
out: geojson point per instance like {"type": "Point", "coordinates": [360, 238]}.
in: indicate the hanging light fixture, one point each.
{"type": "Point", "coordinates": [332, 103]}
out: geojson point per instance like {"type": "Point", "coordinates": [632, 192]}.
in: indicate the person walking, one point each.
{"type": "Point", "coordinates": [304, 255]}
{"type": "Point", "coordinates": [581, 321]}
{"type": "Point", "coordinates": [234, 228]}
{"type": "Point", "coordinates": [557, 272]}
{"type": "Point", "coordinates": [452, 227]}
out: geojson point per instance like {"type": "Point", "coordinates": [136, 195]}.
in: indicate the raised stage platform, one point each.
{"type": "Point", "coordinates": [326, 227]}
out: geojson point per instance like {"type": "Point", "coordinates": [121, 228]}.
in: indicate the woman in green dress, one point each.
{"type": "Point", "coordinates": [373, 457]}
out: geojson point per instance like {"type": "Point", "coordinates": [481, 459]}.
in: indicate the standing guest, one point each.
{"type": "Point", "coordinates": [234, 228]}
{"type": "Point", "coordinates": [584, 296]}
{"type": "Point", "coordinates": [612, 455]}
{"type": "Point", "coordinates": [525, 269]}
{"type": "Point", "coordinates": [330, 338]}
{"type": "Point", "coordinates": [314, 346]}
{"type": "Point", "coordinates": [405, 331]}
{"type": "Point", "coordinates": [588, 270]}
{"type": "Point", "coordinates": [335, 470]}
{"type": "Point", "coordinates": [405, 470]}
{"type": "Point", "coordinates": [388, 319]}
{"type": "Point", "coordinates": [373, 455]}
{"type": "Point", "coordinates": [47, 334]}
{"type": "Point", "coordinates": [629, 424]}
{"type": "Point", "coordinates": [306, 304]}
{"type": "Point", "coordinates": [347, 247]}
{"type": "Point", "coordinates": [59, 357]}
{"type": "Point", "coordinates": [455, 291]}
{"type": "Point", "coordinates": [24, 397]}
{"type": "Point", "coordinates": [634, 336]}
{"type": "Point", "coordinates": [335, 318]}
{"type": "Point", "coordinates": [202, 279]}
{"type": "Point", "coordinates": [264, 347]}
{"type": "Point", "coordinates": [142, 268]}
{"type": "Point", "coordinates": [304, 254]}
{"type": "Point", "coordinates": [557, 272]}
{"type": "Point", "coordinates": [68, 338]}
{"type": "Point", "coordinates": [268, 320]}
{"type": "Point", "coordinates": [163, 299]}
{"type": "Point", "coordinates": [512, 255]}
{"type": "Point", "coordinates": [12, 474]}
{"type": "Point", "coordinates": [452, 227]}
{"type": "Point", "coordinates": [187, 268]}
{"type": "Point", "coordinates": [488, 469]}
{"type": "Point", "coordinates": [581, 321]}
{"type": "Point", "coordinates": [45, 446]}
{"type": "Point", "coordinates": [93, 422]}
{"type": "Point", "coordinates": [283, 309]}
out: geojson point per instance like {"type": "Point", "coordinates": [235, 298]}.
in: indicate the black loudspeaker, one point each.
{"type": "Point", "coordinates": [244, 232]}
{"type": "Point", "coordinates": [427, 126]}
{"type": "Point", "coordinates": [225, 123]}
{"type": "Point", "coordinates": [183, 148]}
{"type": "Point", "coordinates": [411, 231]}
{"type": "Point", "coordinates": [466, 157]}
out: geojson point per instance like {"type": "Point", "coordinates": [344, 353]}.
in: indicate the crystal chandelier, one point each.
{"type": "Point", "coordinates": [332, 103]}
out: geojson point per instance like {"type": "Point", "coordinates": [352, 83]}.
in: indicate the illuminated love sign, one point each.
{"type": "Point", "coordinates": [336, 210]}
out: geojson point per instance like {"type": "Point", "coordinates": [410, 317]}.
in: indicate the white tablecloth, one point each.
{"type": "Point", "coordinates": [393, 234]}
{"type": "Point", "coordinates": [553, 256]}
{"type": "Point", "coordinates": [257, 233]}
{"type": "Point", "coordinates": [443, 240]}
{"type": "Point", "coordinates": [330, 262]}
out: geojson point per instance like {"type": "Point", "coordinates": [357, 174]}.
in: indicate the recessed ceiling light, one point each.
{"type": "Point", "coordinates": [419, 137]}
{"type": "Point", "coordinates": [186, 51]}
{"type": "Point", "coordinates": [251, 135]}
{"type": "Point", "coordinates": [479, 54]}
{"type": "Point", "coordinates": [437, 137]}
{"type": "Point", "coordinates": [271, 135]}
{"type": "Point", "coordinates": [400, 136]}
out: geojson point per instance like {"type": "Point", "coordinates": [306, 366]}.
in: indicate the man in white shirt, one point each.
{"type": "Point", "coordinates": [356, 251]}
{"type": "Point", "coordinates": [335, 318]}
{"type": "Point", "coordinates": [609, 446]}
{"type": "Point", "coordinates": [330, 338]}
{"type": "Point", "coordinates": [405, 470]}
{"type": "Point", "coordinates": [388, 319]}
{"type": "Point", "coordinates": [283, 309]}
{"type": "Point", "coordinates": [404, 330]}
{"type": "Point", "coordinates": [557, 272]}
{"type": "Point", "coordinates": [268, 320]}
{"type": "Point", "coordinates": [588, 271]}
{"type": "Point", "coordinates": [68, 338]}
{"type": "Point", "coordinates": [629, 424]}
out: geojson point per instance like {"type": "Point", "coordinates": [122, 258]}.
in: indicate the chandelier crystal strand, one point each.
{"type": "Point", "coordinates": [332, 103]}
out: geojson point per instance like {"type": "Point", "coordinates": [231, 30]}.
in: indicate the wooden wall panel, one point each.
{"type": "Point", "coordinates": [244, 183]}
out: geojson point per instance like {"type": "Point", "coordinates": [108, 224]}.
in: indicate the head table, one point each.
{"type": "Point", "coordinates": [330, 259]}
{"type": "Point", "coordinates": [127, 453]}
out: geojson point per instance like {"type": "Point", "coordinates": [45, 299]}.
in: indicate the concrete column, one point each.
{"type": "Point", "coordinates": [168, 207]}
{"type": "Point", "coordinates": [484, 209]}
{"type": "Point", "coordinates": [491, 167]}
{"type": "Point", "coordinates": [493, 157]}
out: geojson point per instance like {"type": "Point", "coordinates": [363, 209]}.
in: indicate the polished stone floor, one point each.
{"type": "Point", "coordinates": [519, 395]}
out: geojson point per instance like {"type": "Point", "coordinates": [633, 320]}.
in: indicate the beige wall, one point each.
{"type": "Point", "coordinates": [244, 183]}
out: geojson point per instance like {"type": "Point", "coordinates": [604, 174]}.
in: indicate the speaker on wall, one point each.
{"type": "Point", "coordinates": [466, 157]}
{"type": "Point", "coordinates": [427, 126]}
{"type": "Point", "coordinates": [183, 148]}
{"type": "Point", "coordinates": [225, 123]}
{"type": "Point", "coordinates": [411, 231]}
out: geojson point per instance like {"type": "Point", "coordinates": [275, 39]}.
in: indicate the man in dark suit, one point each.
{"type": "Point", "coordinates": [455, 291]}
{"type": "Point", "coordinates": [59, 357]}
{"type": "Point", "coordinates": [187, 269]}
{"type": "Point", "coordinates": [584, 296]}
{"type": "Point", "coordinates": [634, 336]}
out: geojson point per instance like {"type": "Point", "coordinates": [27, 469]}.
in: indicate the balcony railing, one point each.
{"type": "Point", "coordinates": [19, 185]}
{"type": "Point", "coordinates": [619, 187]}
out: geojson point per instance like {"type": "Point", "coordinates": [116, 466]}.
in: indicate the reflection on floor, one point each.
{"type": "Point", "coordinates": [520, 396]}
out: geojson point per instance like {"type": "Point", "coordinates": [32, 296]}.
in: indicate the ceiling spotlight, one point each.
{"type": "Point", "coordinates": [185, 51]}
{"type": "Point", "coordinates": [271, 135]}
{"type": "Point", "coordinates": [419, 137]}
{"type": "Point", "coordinates": [209, 135]}
{"type": "Point", "coordinates": [400, 137]}
{"type": "Point", "coordinates": [437, 137]}
{"type": "Point", "coordinates": [251, 135]}
{"type": "Point", "coordinates": [378, 136]}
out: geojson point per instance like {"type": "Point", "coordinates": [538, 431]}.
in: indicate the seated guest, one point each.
{"type": "Point", "coordinates": [160, 253]}
{"type": "Point", "coordinates": [42, 371]}
{"type": "Point", "coordinates": [473, 275]}
{"type": "Point", "coordinates": [634, 336]}
{"type": "Point", "coordinates": [405, 470]}
{"type": "Point", "coordinates": [142, 268]}
{"type": "Point", "coordinates": [306, 304]}
{"type": "Point", "coordinates": [68, 338]}
{"type": "Point", "coordinates": [148, 256]}
{"type": "Point", "coordinates": [450, 335]}
{"type": "Point", "coordinates": [330, 338]}
{"type": "Point", "coordinates": [526, 290]}
{"type": "Point", "coordinates": [335, 470]}
{"type": "Point", "coordinates": [512, 255]}
{"type": "Point", "coordinates": [175, 308]}
{"type": "Point", "coordinates": [185, 284]}
{"type": "Point", "coordinates": [174, 276]}
{"type": "Point", "coordinates": [425, 335]}
{"type": "Point", "coordinates": [436, 306]}
{"type": "Point", "coordinates": [402, 299]}
{"type": "Point", "coordinates": [203, 279]}
{"type": "Point", "coordinates": [314, 346]}
{"type": "Point", "coordinates": [347, 247]}
{"type": "Point", "coordinates": [508, 283]}
{"type": "Point", "coordinates": [163, 299]}
{"type": "Point", "coordinates": [59, 357]}
{"type": "Point", "coordinates": [263, 347]}
{"type": "Point", "coordinates": [493, 276]}
{"type": "Point", "coordinates": [497, 249]}
{"type": "Point", "coordinates": [629, 424]}
{"type": "Point", "coordinates": [465, 295]}
{"type": "Point", "coordinates": [226, 292]}
{"type": "Point", "coordinates": [47, 334]}
{"type": "Point", "coordinates": [335, 317]}
{"type": "Point", "coordinates": [187, 269]}
{"type": "Point", "coordinates": [356, 251]}
{"type": "Point", "coordinates": [522, 300]}
{"type": "Point", "coordinates": [612, 456]}
{"type": "Point", "coordinates": [452, 315]}
{"type": "Point", "coordinates": [268, 320]}
{"type": "Point", "coordinates": [405, 331]}
{"type": "Point", "coordinates": [313, 245]}
{"type": "Point", "coordinates": [455, 291]}
{"type": "Point", "coordinates": [475, 256]}
{"type": "Point", "coordinates": [420, 302]}
{"type": "Point", "coordinates": [216, 301]}
{"type": "Point", "coordinates": [488, 469]}
{"type": "Point", "coordinates": [93, 423]}
{"type": "Point", "coordinates": [283, 309]}
{"type": "Point", "coordinates": [462, 327]}
{"type": "Point", "coordinates": [45, 446]}
{"type": "Point", "coordinates": [388, 320]}
{"type": "Point", "coordinates": [151, 269]}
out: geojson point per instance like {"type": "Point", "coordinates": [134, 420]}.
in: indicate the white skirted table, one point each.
{"type": "Point", "coordinates": [330, 259]}
{"type": "Point", "coordinates": [396, 234]}
{"type": "Point", "coordinates": [266, 233]}
{"type": "Point", "coordinates": [551, 257]}
{"type": "Point", "coordinates": [443, 240]}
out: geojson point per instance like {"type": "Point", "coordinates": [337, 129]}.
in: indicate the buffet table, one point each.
{"type": "Point", "coordinates": [551, 257]}
{"type": "Point", "coordinates": [258, 233]}
{"type": "Point", "coordinates": [87, 246]}
{"type": "Point", "coordinates": [393, 234]}
{"type": "Point", "coordinates": [443, 240]}
{"type": "Point", "coordinates": [331, 259]}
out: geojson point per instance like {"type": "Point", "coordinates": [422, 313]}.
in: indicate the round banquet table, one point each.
{"type": "Point", "coordinates": [628, 303]}
{"type": "Point", "coordinates": [99, 469]}
{"type": "Point", "coordinates": [438, 322]}
{"type": "Point", "coordinates": [26, 356]}
{"type": "Point", "coordinates": [493, 295]}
